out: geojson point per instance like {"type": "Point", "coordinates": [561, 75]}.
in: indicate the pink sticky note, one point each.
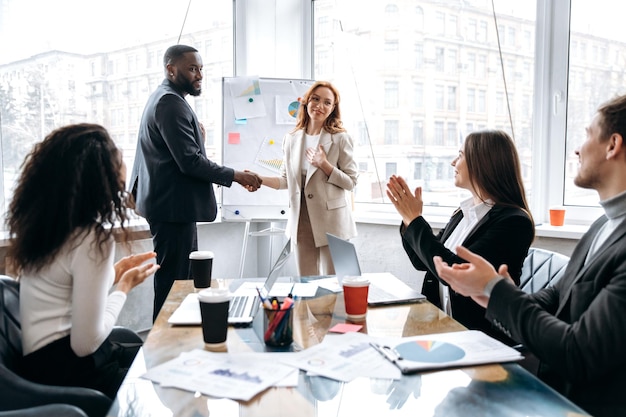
{"type": "Point", "coordinates": [345, 328]}
{"type": "Point", "coordinates": [233, 138]}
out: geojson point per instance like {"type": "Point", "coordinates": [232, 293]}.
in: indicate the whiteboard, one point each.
{"type": "Point", "coordinates": [257, 113]}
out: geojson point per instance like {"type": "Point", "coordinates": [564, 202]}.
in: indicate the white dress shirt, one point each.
{"type": "Point", "coordinates": [472, 214]}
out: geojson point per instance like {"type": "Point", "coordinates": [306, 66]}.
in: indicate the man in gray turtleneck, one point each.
{"type": "Point", "coordinates": [577, 328]}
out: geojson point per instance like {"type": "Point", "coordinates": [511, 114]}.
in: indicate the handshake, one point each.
{"type": "Point", "coordinates": [248, 180]}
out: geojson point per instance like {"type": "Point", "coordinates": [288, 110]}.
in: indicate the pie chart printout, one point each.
{"type": "Point", "coordinates": [429, 351]}
{"type": "Point", "coordinates": [293, 109]}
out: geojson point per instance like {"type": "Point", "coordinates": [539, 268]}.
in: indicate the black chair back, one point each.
{"type": "Point", "coordinates": [10, 329]}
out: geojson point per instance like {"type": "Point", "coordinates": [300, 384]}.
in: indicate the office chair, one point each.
{"type": "Point", "coordinates": [51, 410]}
{"type": "Point", "coordinates": [23, 396]}
{"type": "Point", "coordinates": [542, 268]}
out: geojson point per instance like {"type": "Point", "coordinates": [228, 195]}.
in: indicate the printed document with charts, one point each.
{"type": "Point", "coordinates": [347, 356]}
{"type": "Point", "coordinates": [239, 376]}
{"type": "Point", "coordinates": [444, 350]}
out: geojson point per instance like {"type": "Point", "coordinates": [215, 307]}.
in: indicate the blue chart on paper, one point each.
{"type": "Point", "coordinates": [293, 108]}
{"type": "Point", "coordinates": [430, 351]}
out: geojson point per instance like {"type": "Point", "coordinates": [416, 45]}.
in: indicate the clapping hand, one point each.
{"type": "Point", "coordinates": [131, 270]}
{"type": "Point", "coordinates": [409, 205]}
{"type": "Point", "coordinates": [469, 279]}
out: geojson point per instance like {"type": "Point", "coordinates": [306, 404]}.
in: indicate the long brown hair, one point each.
{"type": "Point", "coordinates": [333, 123]}
{"type": "Point", "coordinates": [69, 182]}
{"type": "Point", "coordinates": [494, 168]}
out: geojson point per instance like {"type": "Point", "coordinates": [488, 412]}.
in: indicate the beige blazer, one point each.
{"type": "Point", "coordinates": [328, 199]}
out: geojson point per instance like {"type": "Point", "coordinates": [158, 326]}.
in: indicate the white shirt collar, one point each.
{"type": "Point", "coordinates": [474, 213]}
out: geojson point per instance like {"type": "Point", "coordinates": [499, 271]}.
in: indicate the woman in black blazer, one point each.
{"type": "Point", "coordinates": [495, 222]}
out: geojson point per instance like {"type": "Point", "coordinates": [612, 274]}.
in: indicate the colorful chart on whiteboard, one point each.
{"type": "Point", "coordinates": [270, 154]}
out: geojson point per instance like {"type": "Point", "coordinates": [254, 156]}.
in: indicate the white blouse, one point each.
{"type": "Point", "coordinates": [472, 214]}
{"type": "Point", "coordinates": [71, 296]}
{"type": "Point", "coordinates": [310, 141]}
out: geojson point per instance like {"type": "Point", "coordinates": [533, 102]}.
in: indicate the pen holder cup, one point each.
{"type": "Point", "coordinates": [278, 327]}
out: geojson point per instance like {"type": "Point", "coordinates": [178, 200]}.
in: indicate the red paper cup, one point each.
{"type": "Point", "coordinates": [355, 290]}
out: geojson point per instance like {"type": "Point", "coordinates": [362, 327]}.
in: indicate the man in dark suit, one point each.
{"type": "Point", "coordinates": [577, 328]}
{"type": "Point", "coordinates": [172, 178]}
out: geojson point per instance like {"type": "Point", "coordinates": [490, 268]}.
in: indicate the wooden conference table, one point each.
{"type": "Point", "coordinates": [488, 390]}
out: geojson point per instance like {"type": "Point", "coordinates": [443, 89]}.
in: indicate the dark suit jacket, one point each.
{"type": "Point", "coordinates": [577, 328]}
{"type": "Point", "coordinates": [172, 177]}
{"type": "Point", "coordinates": [503, 236]}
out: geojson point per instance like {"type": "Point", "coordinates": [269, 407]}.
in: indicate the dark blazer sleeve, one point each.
{"type": "Point", "coordinates": [502, 238]}
{"type": "Point", "coordinates": [586, 340]}
{"type": "Point", "coordinates": [178, 130]}
{"type": "Point", "coordinates": [420, 231]}
{"type": "Point", "coordinates": [585, 350]}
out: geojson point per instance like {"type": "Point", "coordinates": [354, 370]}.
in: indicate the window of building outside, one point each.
{"type": "Point", "coordinates": [469, 72]}
{"type": "Point", "coordinates": [457, 88]}
{"type": "Point", "coordinates": [597, 57]}
{"type": "Point", "coordinates": [419, 49]}
{"type": "Point", "coordinates": [99, 65]}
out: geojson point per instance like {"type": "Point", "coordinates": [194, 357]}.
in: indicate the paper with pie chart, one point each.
{"type": "Point", "coordinates": [287, 107]}
{"type": "Point", "coordinates": [445, 350]}
{"type": "Point", "coordinates": [430, 351]}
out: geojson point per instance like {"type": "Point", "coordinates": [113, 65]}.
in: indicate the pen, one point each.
{"type": "Point", "coordinates": [287, 303]}
{"type": "Point", "coordinates": [386, 352]}
{"type": "Point", "coordinates": [265, 301]}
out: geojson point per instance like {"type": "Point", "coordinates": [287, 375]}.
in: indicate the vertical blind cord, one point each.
{"type": "Point", "coordinates": [184, 20]}
{"type": "Point", "coordinates": [506, 91]}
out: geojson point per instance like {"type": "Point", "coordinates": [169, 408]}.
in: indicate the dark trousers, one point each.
{"type": "Point", "coordinates": [172, 243]}
{"type": "Point", "coordinates": [57, 364]}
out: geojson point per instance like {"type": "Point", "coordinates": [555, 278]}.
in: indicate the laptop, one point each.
{"type": "Point", "coordinates": [383, 290]}
{"type": "Point", "coordinates": [243, 306]}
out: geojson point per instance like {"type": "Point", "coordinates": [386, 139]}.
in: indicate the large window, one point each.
{"type": "Point", "coordinates": [597, 70]}
{"type": "Point", "coordinates": [449, 77]}
{"type": "Point", "coordinates": [415, 77]}
{"type": "Point", "coordinates": [537, 70]}
{"type": "Point", "coordinates": [71, 61]}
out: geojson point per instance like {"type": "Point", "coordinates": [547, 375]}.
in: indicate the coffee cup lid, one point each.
{"type": "Point", "coordinates": [214, 295]}
{"type": "Point", "coordinates": [355, 281]}
{"type": "Point", "coordinates": [201, 254]}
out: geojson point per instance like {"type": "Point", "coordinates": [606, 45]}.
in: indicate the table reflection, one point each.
{"type": "Point", "coordinates": [491, 390]}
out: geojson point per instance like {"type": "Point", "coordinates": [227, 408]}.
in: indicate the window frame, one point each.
{"type": "Point", "coordinates": [549, 120]}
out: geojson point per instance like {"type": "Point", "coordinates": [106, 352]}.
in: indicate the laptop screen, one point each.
{"type": "Point", "coordinates": [273, 274]}
{"type": "Point", "coordinates": [344, 256]}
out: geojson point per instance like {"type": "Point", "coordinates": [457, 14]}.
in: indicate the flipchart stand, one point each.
{"type": "Point", "coordinates": [270, 231]}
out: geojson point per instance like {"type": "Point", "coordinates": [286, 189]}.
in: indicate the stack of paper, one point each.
{"type": "Point", "coordinates": [341, 357]}
{"type": "Point", "coordinates": [237, 376]}
{"type": "Point", "coordinates": [445, 350]}
{"type": "Point", "coordinates": [344, 357]}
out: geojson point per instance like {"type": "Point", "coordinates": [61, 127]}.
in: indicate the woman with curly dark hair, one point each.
{"type": "Point", "coordinates": [68, 198]}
